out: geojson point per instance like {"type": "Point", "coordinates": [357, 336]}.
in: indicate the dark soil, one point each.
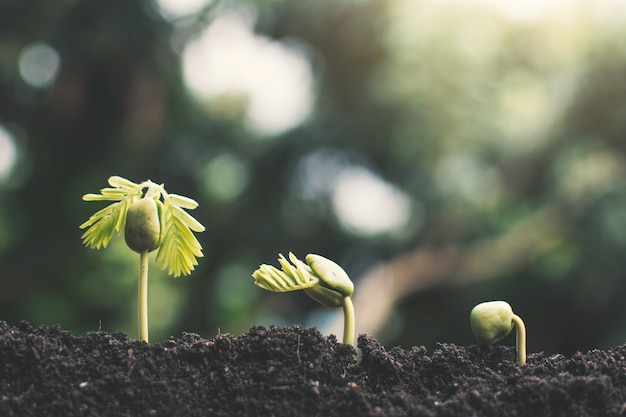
{"type": "Point", "coordinates": [294, 372]}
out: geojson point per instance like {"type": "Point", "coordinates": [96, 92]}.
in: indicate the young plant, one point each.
{"type": "Point", "coordinates": [492, 321]}
{"type": "Point", "coordinates": [320, 278]}
{"type": "Point", "coordinates": [151, 219]}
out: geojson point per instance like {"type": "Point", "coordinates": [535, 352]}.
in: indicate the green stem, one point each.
{"type": "Point", "coordinates": [520, 331]}
{"type": "Point", "coordinates": [142, 304]}
{"type": "Point", "coordinates": [348, 321]}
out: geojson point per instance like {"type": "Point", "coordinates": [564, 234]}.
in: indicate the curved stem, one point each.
{"type": "Point", "coordinates": [348, 321]}
{"type": "Point", "coordinates": [142, 305]}
{"type": "Point", "coordinates": [520, 331]}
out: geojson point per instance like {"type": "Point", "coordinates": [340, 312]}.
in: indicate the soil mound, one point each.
{"type": "Point", "coordinates": [293, 371]}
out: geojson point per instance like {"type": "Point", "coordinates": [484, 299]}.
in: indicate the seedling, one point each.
{"type": "Point", "coordinates": [320, 278]}
{"type": "Point", "coordinates": [492, 321]}
{"type": "Point", "coordinates": [151, 219]}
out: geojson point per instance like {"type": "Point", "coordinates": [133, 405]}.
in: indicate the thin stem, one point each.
{"type": "Point", "coordinates": [142, 304]}
{"type": "Point", "coordinates": [348, 321]}
{"type": "Point", "coordinates": [520, 331]}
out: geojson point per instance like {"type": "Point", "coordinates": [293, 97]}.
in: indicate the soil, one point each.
{"type": "Point", "coordinates": [294, 371]}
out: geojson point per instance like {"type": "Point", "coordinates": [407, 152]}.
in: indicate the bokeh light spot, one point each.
{"type": "Point", "coordinates": [228, 58]}
{"type": "Point", "coordinates": [177, 8]}
{"type": "Point", "coordinates": [39, 65]}
{"type": "Point", "coordinates": [8, 153]}
{"type": "Point", "coordinates": [225, 177]}
{"type": "Point", "coordinates": [367, 205]}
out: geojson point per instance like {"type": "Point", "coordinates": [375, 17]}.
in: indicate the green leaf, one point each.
{"type": "Point", "coordinates": [182, 201]}
{"type": "Point", "coordinates": [186, 218]}
{"type": "Point", "coordinates": [108, 194]}
{"type": "Point", "coordinates": [180, 248]}
{"type": "Point", "coordinates": [110, 220]}
{"type": "Point", "coordinates": [291, 278]}
{"type": "Point", "coordinates": [123, 183]}
{"type": "Point", "coordinates": [103, 225]}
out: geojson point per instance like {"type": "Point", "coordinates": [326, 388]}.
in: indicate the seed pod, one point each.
{"type": "Point", "coordinates": [332, 275]}
{"type": "Point", "coordinates": [491, 321]}
{"type": "Point", "coordinates": [334, 284]}
{"type": "Point", "coordinates": [143, 225]}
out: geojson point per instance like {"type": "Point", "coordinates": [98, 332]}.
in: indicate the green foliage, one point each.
{"type": "Point", "coordinates": [110, 220]}
{"type": "Point", "coordinates": [292, 277]}
{"type": "Point", "coordinates": [481, 121]}
{"type": "Point", "coordinates": [179, 247]}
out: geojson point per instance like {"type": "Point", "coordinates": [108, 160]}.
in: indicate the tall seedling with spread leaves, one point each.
{"type": "Point", "coordinates": [151, 219]}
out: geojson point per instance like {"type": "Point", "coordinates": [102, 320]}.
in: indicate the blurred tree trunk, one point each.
{"type": "Point", "coordinates": [387, 284]}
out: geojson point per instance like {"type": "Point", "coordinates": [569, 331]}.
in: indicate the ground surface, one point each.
{"type": "Point", "coordinates": [293, 372]}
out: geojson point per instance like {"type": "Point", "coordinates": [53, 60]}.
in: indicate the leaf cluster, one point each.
{"type": "Point", "coordinates": [179, 248]}
{"type": "Point", "coordinates": [298, 276]}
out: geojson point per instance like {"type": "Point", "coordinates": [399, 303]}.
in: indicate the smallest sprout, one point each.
{"type": "Point", "coordinates": [492, 321]}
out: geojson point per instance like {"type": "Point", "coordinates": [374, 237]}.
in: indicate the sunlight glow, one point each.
{"type": "Point", "coordinates": [362, 202]}
{"type": "Point", "coordinates": [463, 176]}
{"type": "Point", "coordinates": [8, 153]}
{"type": "Point", "coordinates": [39, 65]}
{"type": "Point", "coordinates": [225, 177]}
{"type": "Point", "coordinates": [177, 8]}
{"type": "Point", "coordinates": [228, 58]}
{"type": "Point", "coordinates": [367, 205]}
{"type": "Point", "coordinates": [537, 10]}
{"type": "Point", "coordinates": [527, 10]}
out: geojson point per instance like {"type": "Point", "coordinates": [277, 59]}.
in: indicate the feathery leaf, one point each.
{"type": "Point", "coordinates": [102, 225]}
{"type": "Point", "coordinates": [291, 278]}
{"type": "Point", "coordinates": [180, 248]}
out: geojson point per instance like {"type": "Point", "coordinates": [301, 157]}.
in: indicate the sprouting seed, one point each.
{"type": "Point", "coordinates": [492, 321]}
{"type": "Point", "coordinates": [320, 278]}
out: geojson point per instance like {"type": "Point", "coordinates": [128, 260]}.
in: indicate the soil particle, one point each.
{"type": "Point", "coordinates": [294, 371]}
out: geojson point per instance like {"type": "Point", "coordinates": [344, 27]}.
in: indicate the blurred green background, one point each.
{"type": "Point", "coordinates": [443, 152]}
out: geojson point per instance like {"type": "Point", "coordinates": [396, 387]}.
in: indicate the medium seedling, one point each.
{"type": "Point", "coordinates": [151, 219]}
{"type": "Point", "coordinates": [492, 321]}
{"type": "Point", "coordinates": [320, 278]}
